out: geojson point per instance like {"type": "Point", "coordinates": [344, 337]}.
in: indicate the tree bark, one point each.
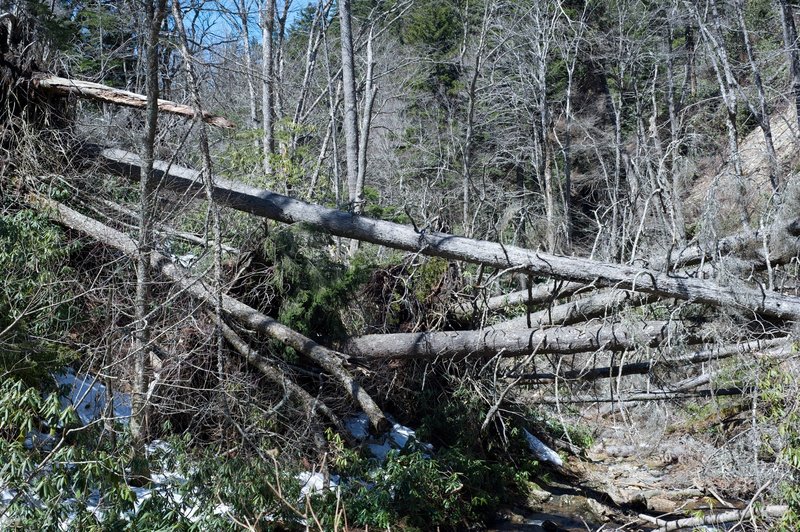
{"type": "Point", "coordinates": [538, 294]}
{"type": "Point", "coordinates": [715, 519]}
{"type": "Point", "coordinates": [350, 104]}
{"type": "Point", "coordinates": [583, 309]}
{"type": "Point", "coordinates": [284, 209]}
{"type": "Point", "coordinates": [327, 359]}
{"type": "Point", "coordinates": [761, 112]}
{"type": "Point", "coordinates": [106, 94]}
{"type": "Point", "coordinates": [244, 17]}
{"type": "Point", "coordinates": [268, 91]}
{"type": "Point", "coordinates": [790, 41]}
{"type": "Point", "coordinates": [638, 397]}
{"type": "Point", "coordinates": [490, 342]}
{"type": "Point", "coordinates": [143, 249]}
{"type": "Point", "coordinates": [744, 245]}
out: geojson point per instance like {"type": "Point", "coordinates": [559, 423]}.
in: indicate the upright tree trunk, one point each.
{"type": "Point", "coordinates": [674, 108]}
{"type": "Point", "coordinates": [762, 112]}
{"type": "Point", "coordinates": [718, 54]}
{"type": "Point", "coordinates": [155, 11]}
{"type": "Point", "coordinates": [370, 92]}
{"type": "Point", "coordinates": [355, 196]}
{"type": "Point", "coordinates": [790, 41]}
{"type": "Point", "coordinates": [248, 61]}
{"type": "Point", "coordinates": [268, 92]}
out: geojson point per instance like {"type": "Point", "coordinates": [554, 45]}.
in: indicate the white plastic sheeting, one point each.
{"type": "Point", "coordinates": [541, 451]}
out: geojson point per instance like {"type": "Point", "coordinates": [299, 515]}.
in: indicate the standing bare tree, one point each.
{"type": "Point", "coordinates": [350, 103]}
{"type": "Point", "coordinates": [267, 87]}
{"type": "Point", "coordinates": [155, 11]}
{"type": "Point", "coordinates": [790, 41]}
{"type": "Point", "coordinates": [244, 17]}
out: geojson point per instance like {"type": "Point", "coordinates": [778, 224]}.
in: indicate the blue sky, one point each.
{"type": "Point", "coordinates": [219, 26]}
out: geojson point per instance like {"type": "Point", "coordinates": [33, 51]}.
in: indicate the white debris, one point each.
{"type": "Point", "coordinates": [88, 396]}
{"type": "Point", "coordinates": [380, 450]}
{"type": "Point", "coordinates": [398, 437]}
{"type": "Point", "coordinates": [541, 451]}
{"type": "Point", "coordinates": [358, 426]}
{"type": "Point", "coordinates": [311, 483]}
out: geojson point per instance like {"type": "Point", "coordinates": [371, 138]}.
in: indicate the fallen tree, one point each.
{"type": "Point", "coordinates": [783, 238]}
{"type": "Point", "coordinates": [535, 295]}
{"type": "Point", "coordinates": [267, 204]}
{"type": "Point", "coordinates": [731, 516]}
{"type": "Point", "coordinates": [327, 359]}
{"type": "Point", "coordinates": [643, 368]}
{"type": "Point", "coordinates": [583, 309]}
{"type": "Point", "coordinates": [103, 93]}
{"type": "Point", "coordinates": [639, 397]}
{"type": "Point", "coordinates": [509, 343]}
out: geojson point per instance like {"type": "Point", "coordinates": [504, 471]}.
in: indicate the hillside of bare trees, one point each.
{"type": "Point", "coordinates": [399, 265]}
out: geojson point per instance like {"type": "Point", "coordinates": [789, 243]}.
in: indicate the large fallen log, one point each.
{"type": "Point", "coordinates": [490, 342]}
{"type": "Point", "coordinates": [281, 208]}
{"type": "Point", "coordinates": [327, 359]}
{"type": "Point", "coordinates": [103, 93]}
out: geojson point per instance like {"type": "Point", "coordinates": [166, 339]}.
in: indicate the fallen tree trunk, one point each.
{"type": "Point", "coordinates": [538, 294]}
{"type": "Point", "coordinates": [745, 245]}
{"type": "Point", "coordinates": [274, 206]}
{"type": "Point", "coordinates": [642, 368]}
{"type": "Point", "coordinates": [639, 397]}
{"type": "Point", "coordinates": [715, 519]}
{"type": "Point", "coordinates": [106, 94]}
{"type": "Point", "coordinates": [329, 360]}
{"type": "Point", "coordinates": [490, 342]}
{"type": "Point", "coordinates": [169, 231]}
{"type": "Point", "coordinates": [583, 309]}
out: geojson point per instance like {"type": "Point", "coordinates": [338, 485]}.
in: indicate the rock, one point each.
{"type": "Point", "coordinates": [661, 505]}
{"type": "Point", "coordinates": [537, 496]}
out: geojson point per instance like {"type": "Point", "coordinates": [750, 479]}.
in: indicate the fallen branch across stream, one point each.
{"type": "Point", "coordinates": [284, 209]}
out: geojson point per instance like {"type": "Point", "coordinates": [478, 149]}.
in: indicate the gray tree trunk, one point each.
{"type": "Point", "coordinates": [761, 112]}
{"type": "Point", "coordinates": [281, 208]}
{"type": "Point", "coordinates": [267, 88]}
{"type": "Point", "coordinates": [248, 61]}
{"type": "Point", "coordinates": [350, 103]}
{"type": "Point", "coordinates": [510, 343]}
{"type": "Point", "coordinates": [142, 250]}
{"type": "Point", "coordinates": [790, 41]}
